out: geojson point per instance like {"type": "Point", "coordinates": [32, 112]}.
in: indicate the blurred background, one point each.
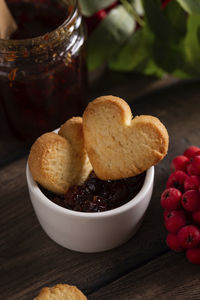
{"type": "Point", "coordinates": [55, 62]}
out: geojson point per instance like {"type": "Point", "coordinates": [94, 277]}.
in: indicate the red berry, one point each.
{"type": "Point", "coordinates": [192, 183]}
{"type": "Point", "coordinates": [101, 14]}
{"type": "Point", "coordinates": [191, 200]}
{"type": "Point", "coordinates": [176, 180]}
{"type": "Point", "coordinates": [179, 163]}
{"type": "Point", "coordinates": [189, 152]}
{"type": "Point", "coordinates": [174, 220]}
{"type": "Point", "coordinates": [193, 255]}
{"type": "Point", "coordinates": [196, 217]}
{"type": "Point", "coordinates": [196, 153]}
{"type": "Point", "coordinates": [173, 242]}
{"type": "Point", "coordinates": [193, 167]}
{"type": "Point", "coordinates": [167, 215]}
{"type": "Point", "coordinates": [171, 199]}
{"type": "Point", "coordinates": [189, 236]}
{"type": "Point", "coordinates": [93, 21]}
{"type": "Point", "coordinates": [190, 169]}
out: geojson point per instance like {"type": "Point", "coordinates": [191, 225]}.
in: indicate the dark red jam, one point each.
{"type": "Point", "coordinates": [38, 95]}
{"type": "Point", "coordinates": [35, 18]}
{"type": "Point", "coordinates": [96, 195]}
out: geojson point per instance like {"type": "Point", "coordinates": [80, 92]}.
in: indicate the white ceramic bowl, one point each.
{"type": "Point", "coordinates": [90, 232]}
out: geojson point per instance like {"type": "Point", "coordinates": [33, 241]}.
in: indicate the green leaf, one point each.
{"type": "Point", "coordinates": [177, 18]}
{"type": "Point", "coordinates": [148, 50]}
{"type": "Point", "coordinates": [150, 68]}
{"type": "Point", "coordinates": [192, 43]}
{"type": "Point", "coordinates": [169, 56]}
{"type": "Point", "coordinates": [138, 7]}
{"type": "Point", "coordinates": [167, 24]}
{"type": "Point", "coordinates": [136, 56]}
{"type": "Point", "coordinates": [132, 11]}
{"type": "Point", "coordinates": [156, 20]}
{"type": "Point", "coordinates": [109, 35]}
{"type": "Point", "coordinates": [89, 7]}
{"type": "Point", "coordinates": [190, 6]}
{"type": "Point", "coordinates": [131, 54]}
{"type": "Point", "coordinates": [167, 47]}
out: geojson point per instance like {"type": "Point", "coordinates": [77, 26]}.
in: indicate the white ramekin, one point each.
{"type": "Point", "coordinates": [90, 232]}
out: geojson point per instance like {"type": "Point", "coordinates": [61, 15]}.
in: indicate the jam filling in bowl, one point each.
{"type": "Point", "coordinates": [99, 227]}
{"type": "Point", "coordinates": [97, 195]}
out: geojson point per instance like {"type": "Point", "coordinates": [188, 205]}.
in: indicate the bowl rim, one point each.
{"type": "Point", "coordinates": [34, 188]}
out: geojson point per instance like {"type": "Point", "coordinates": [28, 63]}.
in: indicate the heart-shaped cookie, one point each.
{"type": "Point", "coordinates": [58, 161]}
{"type": "Point", "coordinates": [118, 145]}
{"type": "Point", "coordinates": [72, 130]}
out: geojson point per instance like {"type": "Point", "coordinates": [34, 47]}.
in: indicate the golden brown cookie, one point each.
{"type": "Point", "coordinates": [72, 130]}
{"type": "Point", "coordinates": [118, 145]}
{"type": "Point", "coordinates": [57, 162]}
{"type": "Point", "coordinates": [61, 292]}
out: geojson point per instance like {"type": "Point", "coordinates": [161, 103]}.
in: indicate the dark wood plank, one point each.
{"type": "Point", "coordinates": [168, 277]}
{"type": "Point", "coordinates": [129, 86]}
{"type": "Point", "coordinates": [178, 108]}
{"type": "Point", "coordinates": [29, 260]}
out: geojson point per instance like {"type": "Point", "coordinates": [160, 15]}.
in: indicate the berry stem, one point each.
{"type": "Point", "coordinates": [190, 238]}
{"type": "Point", "coordinates": [133, 12]}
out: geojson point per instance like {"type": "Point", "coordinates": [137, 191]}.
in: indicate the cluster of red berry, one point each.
{"type": "Point", "coordinates": [181, 201]}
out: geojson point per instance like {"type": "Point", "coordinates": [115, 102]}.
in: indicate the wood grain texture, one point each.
{"type": "Point", "coordinates": [29, 260]}
{"type": "Point", "coordinates": [167, 277]}
{"type": "Point", "coordinates": [128, 86]}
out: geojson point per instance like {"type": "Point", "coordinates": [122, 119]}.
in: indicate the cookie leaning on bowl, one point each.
{"type": "Point", "coordinates": [61, 292]}
{"type": "Point", "coordinates": [58, 161]}
{"type": "Point", "coordinates": [119, 145]}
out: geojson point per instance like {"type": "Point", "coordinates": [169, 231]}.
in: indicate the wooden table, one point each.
{"type": "Point", "coordinates": [144, 267]}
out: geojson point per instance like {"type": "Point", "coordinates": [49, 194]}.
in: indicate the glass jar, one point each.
{"type": "Point", "coordinates": [42, 78]}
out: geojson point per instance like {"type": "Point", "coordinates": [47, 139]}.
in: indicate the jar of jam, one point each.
{"type": "Point", "coordinates": [42, 70]}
